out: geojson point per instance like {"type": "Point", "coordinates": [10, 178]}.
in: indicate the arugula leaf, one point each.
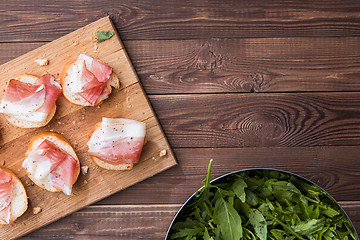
{"type": "Point", "coordinates": [262, 204]}
{"type": "Point", "coordinates": [258, 222]}
{"type": "Point", "coordinates": [207, 236]}
{"type": "Point", "coordinates": [228, 219]}
{"type": "Point", "coordinates": [238, 187]}
{"type": "Point", "coordinates": [103, 35]}
{"type": "Point", "coordinates": [190, 228]}
{"type": "Point", "coordinates": [309, 227]}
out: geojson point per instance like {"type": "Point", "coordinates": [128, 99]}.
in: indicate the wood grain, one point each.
{"type": "Point", "coordinates": [238, 65]}
{"type": "Point", "coordinates": [248, 65]}
{"type": "Point", "coordinates": [152, 222]}
{"type": "Point", "coordinates": [336, 169]}
{"type": "Point", "coordinates": [39, 20]}
{"type": "Point", "coordinates": [75, 122]}
{"type": "Point", "coordinates": [255, 120]}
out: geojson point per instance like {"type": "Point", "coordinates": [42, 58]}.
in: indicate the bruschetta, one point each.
{"type": "Point", "coordinates": [51, 162]}
{"type": "Point", "coordinates": [29, 101]}
{"type": "Point", "coordinates": [13, 198]}
{"type": "Point", "coordinates": [116, 143]}
{"type": "Point", "coordinates": [88, 81]}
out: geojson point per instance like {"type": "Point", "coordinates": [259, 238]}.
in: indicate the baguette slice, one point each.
{"type": "Point", "coordinates": [75, 98]}
{"type": "Point", "coordinates": [19, 201]}
{"type": "Point", "coordinates": [60, 142]}
{"type": "Point", "coordinates": [27, 78]}
{"type": "Point", "coordinates": [101, 163]}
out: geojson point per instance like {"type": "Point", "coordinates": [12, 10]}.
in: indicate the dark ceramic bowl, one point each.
{"type": "Point", "coordinates": [227, 178]}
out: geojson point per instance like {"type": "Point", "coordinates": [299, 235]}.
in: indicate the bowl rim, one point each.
{"type": "Point", "coordinates": [255, 169]}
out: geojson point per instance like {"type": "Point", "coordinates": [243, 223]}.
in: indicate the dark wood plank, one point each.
{"type": "Point", "coordinates": [255, 120]}
{"type": "Point", "coordinates": [130, 222]}
{"type": "Point", "coordinates": [247, 65]}
{"type": "Point", "coordinates": [40, 20]}
{"type": "Point", "coordinates": [336, 169]}
{"type": "Point", "coordinates": [238, 65]}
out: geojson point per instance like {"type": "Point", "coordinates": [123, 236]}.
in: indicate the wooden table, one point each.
{"type": "Point", "coordinates": [247, 83]}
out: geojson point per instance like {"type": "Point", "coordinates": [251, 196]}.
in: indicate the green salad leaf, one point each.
{"type": "Point", "coordinates": [261, 204]}
{"type": "Point", "coordinates": [227, 218]}
{"type": "Point", "coordinates": [103, 35]}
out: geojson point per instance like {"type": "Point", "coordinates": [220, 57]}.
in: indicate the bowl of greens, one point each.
{"type": "Point", "coordinates": [261, 204]}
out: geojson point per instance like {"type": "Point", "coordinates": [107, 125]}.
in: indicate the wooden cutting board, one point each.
{"type": "Point", "coordinates": [74, 122]}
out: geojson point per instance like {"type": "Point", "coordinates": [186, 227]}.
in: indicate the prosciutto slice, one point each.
{"type": "Point", "coordinates": [118, 141]}
{"type": "Point", "coordinates": [49, 163]}
{"type": "Point", "coordinates": [6, 188]}
{"type": "Point", "coordinates": [90, 78]}
{"type": "Point", "coordinates": [100, 70]}
{"type": "Point", "coordinates": [32, 102]}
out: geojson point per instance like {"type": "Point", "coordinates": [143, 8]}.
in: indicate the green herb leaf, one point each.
{"type": "Point", "coordinates": [228, 218]}
{"type": "Point", "coordinates": [262, 205]}
{"type": "Point", "coordinates": [258, 222]}
{"type": "Point", "coordinates": [238, 187]}
{"type": "Point", "coordinates": [103, 35]}
{"type": "Point", "coordinates": [207, 236]}
{"type": "Point", "coordinates": [309, 227]}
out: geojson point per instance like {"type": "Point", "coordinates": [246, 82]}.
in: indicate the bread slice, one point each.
{"type": "Point", "coordinates": [101, 163]}
{"type": "Point", "coordinates": [60, 142]}
{"type": "Point", "coordinates": [27, 78]}
{"type": "Point", "coordinates": [19, 201]}
{"type": "Point", "coordinates": [65, 78]}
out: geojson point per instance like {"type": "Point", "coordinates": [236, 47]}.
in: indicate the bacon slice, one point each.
{"type": "Point", "coordinates": [118, 141]}
{"type": "Point", "coordinates": [50, 163]}
{"type": "Point", "coordinates": [6, 186]}
{"type": "Point", "coordinates": [32, 102]}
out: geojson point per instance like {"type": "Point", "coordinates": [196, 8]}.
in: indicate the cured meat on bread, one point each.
{"type": "Point", "coordinates": [116, 143]}
{"type": "Point", "coordinates": [29, 101]}
{"type": "Point", "coordinates": [88, 81]}
{"type": "Point", "coordinates": [51, 162]}
{"type": "Point", "coordinates": [13, 198]}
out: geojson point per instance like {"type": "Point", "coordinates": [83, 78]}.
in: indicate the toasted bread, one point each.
{"type": "Point", "coordinates": [27, 78]}
{"type": "Point", "coordinates": [60, 142]}
{"type": "Point", "coordinates": [19, 201]}
{"type": "Point", "coordinates": [101, 163]}
{"type": "Point", "coordinates": [75, 98]}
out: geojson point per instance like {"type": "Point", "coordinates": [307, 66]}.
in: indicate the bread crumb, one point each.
{"type": "Point", "coordinates": [162, 153]}
{"type": "Point", "coordinates": [36, 210]}
{"type": "Point", "coordinates": [128, 98]}
{"type": "Point", "coordinates": [2, 163]}
{"type": "Point", "coordinates": [110, 191]}
{"type": "Point", "coordinates": [42, 61]}
{"type": "Point", "coordinates": [84, 170]}
{"type": "Point", "coordinates": [85, 182]}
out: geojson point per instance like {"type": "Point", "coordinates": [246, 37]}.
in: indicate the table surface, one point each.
{"type": "Point", "coordinates": [246, 83]}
